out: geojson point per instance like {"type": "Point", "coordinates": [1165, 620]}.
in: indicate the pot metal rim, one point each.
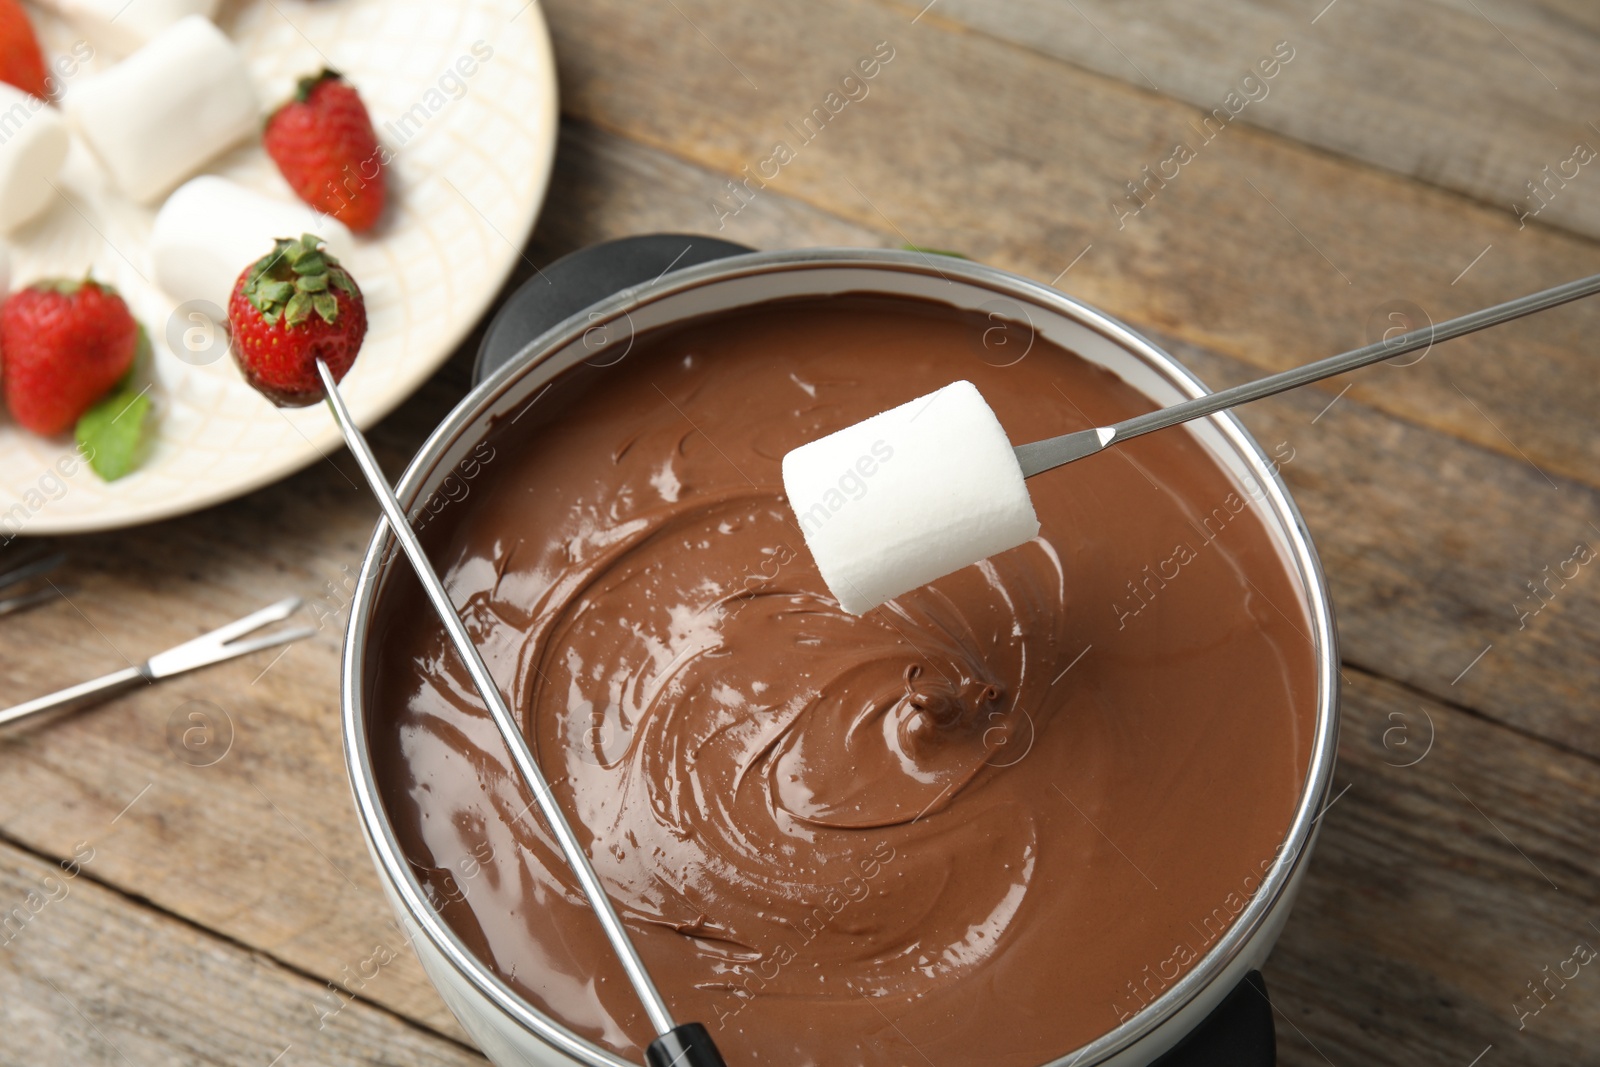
{"type": "Point", "coordinates": [465, 416]}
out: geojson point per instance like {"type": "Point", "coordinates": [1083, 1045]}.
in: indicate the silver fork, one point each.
{"type": "Point", "coordinates": [24, 576]}
{"type": "Point", "coordinates": [220, 644]}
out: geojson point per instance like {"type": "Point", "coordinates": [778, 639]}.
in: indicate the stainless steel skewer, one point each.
{"type": "Point", "coordinates": [685, 1045]}
{"type": "Point", "coordinates": [1040, 456]}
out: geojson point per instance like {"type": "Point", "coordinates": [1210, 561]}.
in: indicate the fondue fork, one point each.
{"type": "Point", "coordinates": [676, 1045]}
{"type": "Point", "coordinates": [956, 491]}
{"type": "Point", "coordinates": [224, 643]}
{"type": "Point", "coordinates": [1040, 456]}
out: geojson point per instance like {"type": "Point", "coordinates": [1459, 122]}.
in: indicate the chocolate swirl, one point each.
{"type": "Point", "coordinates": [740, 742]}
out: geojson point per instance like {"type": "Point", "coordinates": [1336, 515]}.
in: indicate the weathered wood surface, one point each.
{"type": "Point", "coordinates": [1438, 891]}
{"type": "Point", "coordinates": [1419, 925]}
{"type": "Point", "coordinates": [91, 977]}
{"type": "Point", "coordinates": [1478, 97]}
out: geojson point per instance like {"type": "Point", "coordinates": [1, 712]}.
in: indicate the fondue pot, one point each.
{"type": "Point", "coordinates": [589, 307]}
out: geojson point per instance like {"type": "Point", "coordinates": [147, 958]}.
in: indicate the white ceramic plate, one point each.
{"type": "Point", "coordinates": [472, 159]}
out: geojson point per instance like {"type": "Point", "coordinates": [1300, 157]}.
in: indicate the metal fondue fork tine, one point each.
{"type": "Point", "coordinates": [685, 1045]}
{"type": "Point", "coordinates": [1039, 456]}
{"type": "Point", "coordinates": [224, 643]}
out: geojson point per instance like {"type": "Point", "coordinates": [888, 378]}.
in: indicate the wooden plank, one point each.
{"type": "Point", "coordinates": [1474, 97]}
{"type": "Point", "coordinates": [90, 977]}
{"type": "Point", "coordinates": [1430, 904]}
{"type": "Point", "coordinates": [606, 186]}
{"type": "Point", "coordinates": [1260, 248]}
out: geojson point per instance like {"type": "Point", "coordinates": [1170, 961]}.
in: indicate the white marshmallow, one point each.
{"type": "Point", "coordinates": [160, 114]}
{"type": "Point", "coordinates": [211, 229]}
{"type": "Point", "coordinates": [908, 496]}
{"type": "Point", "coordinates": [33, 145]}
{"type": "Point", "coordinates": [124, 26]}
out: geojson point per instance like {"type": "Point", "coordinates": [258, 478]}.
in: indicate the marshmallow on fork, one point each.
{"type": "Point", "coordinates": [926, 488]}
{"type": "Point", "coordinates": [33, 145]}
{"type": "Point", "coordinates": [166, 110]}
{"type": "Point", "coordinates": [210, 229]}
{"type": "Point", "coordinates": [908, 496]}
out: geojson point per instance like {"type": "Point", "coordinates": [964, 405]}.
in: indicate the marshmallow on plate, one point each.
{"type": "Point", "coordinates": [908, 496]}
{"type": "Point", "coordinates": [211, 229]}
{"type": "Point", "coordinates": [163, 112]}
{"type": "Point", "coordinates": [33, 145]}
{"type": "Point", "coordinates": [124, 26]}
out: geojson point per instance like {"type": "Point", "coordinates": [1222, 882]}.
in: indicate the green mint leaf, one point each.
{"type": "Point", "coordinates": [110, 433]}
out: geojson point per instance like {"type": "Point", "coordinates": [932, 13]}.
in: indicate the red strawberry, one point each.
{"type": "Point", "coordinates": [290, 309]}
{"type": "Point", "coordinates": [322, 140]}
{"type": "Point", "coordinates": [21, 62]}
{"type": "Point", "coordinates": [64, 345]}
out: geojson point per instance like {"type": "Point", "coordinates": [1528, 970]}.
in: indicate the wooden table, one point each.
{"type": "Point", "coordinates": [228, 914]}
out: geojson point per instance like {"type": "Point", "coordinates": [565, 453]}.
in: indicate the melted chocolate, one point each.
{"type": "Point", "coordinates": [983, 823]}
